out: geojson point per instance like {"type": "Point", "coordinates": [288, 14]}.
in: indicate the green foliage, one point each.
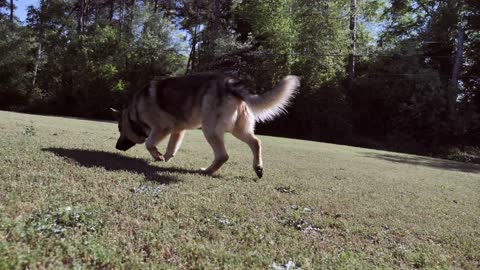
{"type": "Point", "coordinates": [16, 61]}
{"type": "Point", "coordinates": [323, 42]}
{"type": "Point", "coordinates": [73, 61]}
{"type": "Point", "coordinates": [272, 28]}
{"type": "Point", "coordinates": [89, 71]}
{"type": "Point", "coordinates": [425, 114]}
{"type": "Point", "coordinates": [415, 95]}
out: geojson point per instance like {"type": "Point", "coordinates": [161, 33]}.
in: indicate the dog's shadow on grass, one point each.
{"type": "Point", "coordinates": [116, 162]}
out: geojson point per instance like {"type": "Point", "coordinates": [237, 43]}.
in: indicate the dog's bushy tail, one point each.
{"type": "Point", "coordinates": [273, 103]}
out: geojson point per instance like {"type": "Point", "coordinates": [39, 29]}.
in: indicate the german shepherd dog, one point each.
{"type": "Point", "coordinates": [215, 102]}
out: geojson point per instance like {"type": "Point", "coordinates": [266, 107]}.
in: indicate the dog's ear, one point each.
{"type": "Point", "coordinates": [116, 114]}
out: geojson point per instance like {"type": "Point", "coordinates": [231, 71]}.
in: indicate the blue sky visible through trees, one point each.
{"type": "Point", "coordinates": [22, 9]}
{"type": "Point", "coordinates": [22, 5]}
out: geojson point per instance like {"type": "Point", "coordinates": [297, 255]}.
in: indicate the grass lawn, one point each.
{"type": "Point", "coordinates": [68, 199]}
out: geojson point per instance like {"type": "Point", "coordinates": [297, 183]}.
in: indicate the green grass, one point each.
{"type": "Point", "coordinates": [68, 199]}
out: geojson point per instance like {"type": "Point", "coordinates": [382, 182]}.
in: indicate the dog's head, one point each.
{"type": "Point", "coordinates": [128, 135]}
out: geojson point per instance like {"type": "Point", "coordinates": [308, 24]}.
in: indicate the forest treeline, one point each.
{"type": "Point", "coordinates": [400, 74]}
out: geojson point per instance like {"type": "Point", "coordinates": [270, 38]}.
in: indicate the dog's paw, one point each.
{"type": "Point", "coordinates": [205, 171]}
{"type": "Point", "coordinates": [259, 171]}
{"type": "Point", "coordinates": [159, 158]}
{"type": "Point", "coordinates": [167, 157]}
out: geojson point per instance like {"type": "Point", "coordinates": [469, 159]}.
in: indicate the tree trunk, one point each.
{"type": "Point", "coordinates": [96, 12]}
{"type": "Point", "coordinates": [132, 13]}
{"type": "Point", "coordinates": [191, 57]}
{"type": "Point", "coordinates": [129, 17]}
{"type": "Point", "coordinates": [11, 10]}
{"type": "Point", "coordinates": [216, 12]}
{"type": "Point", "coordinates": [353, 36]}
{"type": "Point", "coordinates": [80, 18]}
{"type": "Point", "coordinates": [207, 55]}
{"type": "Point", "coordinates": [38, 54]}
{"type": "Point", "coordinates": [217, 23]}
{"type": "Point", "coordinates": [453, 93]}
{"type": "Point", "coordinates": [112, 9]}
{"type": "Point", "coordinates": [122, 18]}
{"type": "Point", "coordinates": [156, 7]}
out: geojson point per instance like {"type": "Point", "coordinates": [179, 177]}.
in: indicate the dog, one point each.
{"type": "Point", "coordinates": [215, 102]}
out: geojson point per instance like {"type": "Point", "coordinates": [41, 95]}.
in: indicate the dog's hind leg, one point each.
{"type": "Point", "coordinates": [220, 153]}
{"type": "Point", "coordinates": [174, 144]}
{"type": "Point", "coordinates": [156, 135]}
{"type": "Point", "coordinates": [255, 145]}
{"type": "Point", "coordinates": [244, 131]}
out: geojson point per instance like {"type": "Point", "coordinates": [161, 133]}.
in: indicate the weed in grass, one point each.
{"type": "Point", "coordinates": [288, 266]}
{"type": "Point", "coordinates": [153, 190]}
{"type": "Point", "coordinates": [297, 219]}
{"type": "Point", "coordinates": [29, 131]}
{"type": "Point", "coordinates": [56, 222]}
{"type": "Point", "coordinates": [285, 189]}
{"type": "Point", "coordinates": [345, 259]}
{"type": "Point", "coordinates": [222, 221]}
{"type": "Point", "coordinates": [297, 224]}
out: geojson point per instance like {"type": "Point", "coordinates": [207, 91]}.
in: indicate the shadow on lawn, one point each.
{"type": "Point", "coordinates": [428, 162]}
{"type": "Point", "coordinates": [116, 162]}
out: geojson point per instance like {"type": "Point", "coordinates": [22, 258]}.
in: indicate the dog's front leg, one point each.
{"type": "Point", "coordinates": [218, 146]}
{"type": "Point", "coordinates": [174, 144]}
{"type": "Point", "coordinates": [156, 135]}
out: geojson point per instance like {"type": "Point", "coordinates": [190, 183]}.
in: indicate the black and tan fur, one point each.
{"type": "Point", "coordinates": [215, 102]}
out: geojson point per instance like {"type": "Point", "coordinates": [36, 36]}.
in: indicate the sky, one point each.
{"type": "Point", "coordinates": [21, 11]}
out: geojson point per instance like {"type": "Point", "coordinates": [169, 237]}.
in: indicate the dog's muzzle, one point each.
{"type": "Point", "coordinates": [124, 144]}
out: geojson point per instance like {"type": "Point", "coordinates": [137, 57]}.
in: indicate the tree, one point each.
{"type": "Point", "coordinates": [12, 7]}
{"type": "Point", "coordinates": [15, 63]}
{"type": "Point", "coordinates": [353, 34]}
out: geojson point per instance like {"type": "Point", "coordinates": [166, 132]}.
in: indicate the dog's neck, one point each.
{"type": "Point", "coordinates": [137, 125]}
